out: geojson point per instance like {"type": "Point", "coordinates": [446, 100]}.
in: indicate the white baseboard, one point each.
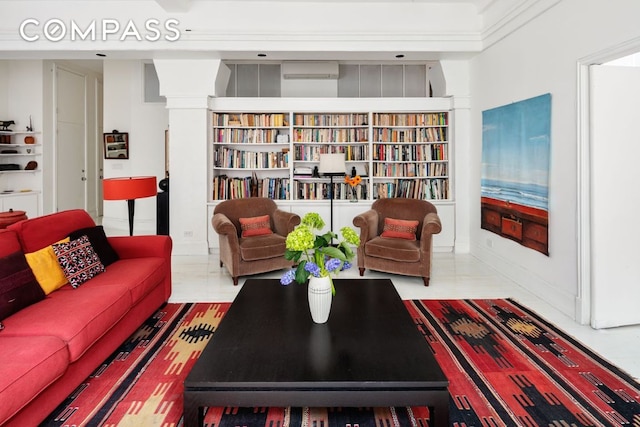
{"type": "Point", "coordinates": [529, 280]}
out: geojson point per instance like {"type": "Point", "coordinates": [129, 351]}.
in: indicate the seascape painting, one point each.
{"type": "Point", "coordinates": [516, 143]}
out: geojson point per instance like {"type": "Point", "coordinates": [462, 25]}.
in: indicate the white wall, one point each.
{"type": "Point", "coordinates": [21, 89]}
{"type": "Point", "coordinates": [539, 58]}
{"type": "Point", "coordinates": [126, 111]}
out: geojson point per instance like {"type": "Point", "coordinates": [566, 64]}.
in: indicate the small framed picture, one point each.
{"type": "Point", "coordinates": [116, 145]}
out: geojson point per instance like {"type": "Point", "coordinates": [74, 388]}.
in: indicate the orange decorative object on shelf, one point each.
{"type": "Point", "coordinates": [29, 139]}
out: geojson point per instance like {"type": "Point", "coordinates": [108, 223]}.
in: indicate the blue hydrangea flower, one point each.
{"type": "Point", "coordinates": [346, 266]}
{"type": "Point", "coordinates": [288, 277]}
{"type": "Point", "coordinates": [312, 268]}
{"type": "Point", "coordinates": [333, 264]}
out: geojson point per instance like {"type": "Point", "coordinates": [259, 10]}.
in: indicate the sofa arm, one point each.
{"type": "Point", "coordinates": [223, 225]}
{"type": "Point", "coordinates": [368, 224]}
{"type": "Point", "coordinates": [142, 246]}
{"type": "Point", "coordinates": [227, 231]}
{"type": "Point", "coordinates": [430, 225]}
{"type": "Point", "coordinates": [284, 222]}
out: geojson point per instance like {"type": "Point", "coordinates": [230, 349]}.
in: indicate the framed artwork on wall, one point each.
{"type": "Point", "coordinates": [516, 146]}
{"type": "Point", "coordinates": [116, 145]}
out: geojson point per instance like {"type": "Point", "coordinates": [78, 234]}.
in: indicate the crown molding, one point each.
{"type": "Point", "coordinates": [503, 17]}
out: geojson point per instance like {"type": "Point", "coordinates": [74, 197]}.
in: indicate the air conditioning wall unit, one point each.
{"type": "Point", "coordinates": [319, 70]}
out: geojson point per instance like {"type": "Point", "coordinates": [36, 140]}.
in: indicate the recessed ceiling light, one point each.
{"type": "Point", "coordinates": [102, 55]}
{"type": "Point", "coordinates": [400, 55]}
{"type": "Point", "coordinates": [262, 55]}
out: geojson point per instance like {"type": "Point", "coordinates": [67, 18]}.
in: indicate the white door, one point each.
{"type": "Point", "coordinates": [615, 200]}
{"type": "Point", "coordinates": [70, 140]}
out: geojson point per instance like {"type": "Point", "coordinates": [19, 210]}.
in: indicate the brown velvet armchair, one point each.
{"type": "Point", "coordinates": [395, 255]}
{"type": "Point", "coordinates": [244, 256]}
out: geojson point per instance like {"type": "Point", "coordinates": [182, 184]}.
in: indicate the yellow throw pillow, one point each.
{"type": "Point", "coordinates": [45, 267]}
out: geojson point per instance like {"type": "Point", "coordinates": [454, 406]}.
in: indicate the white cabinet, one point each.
{"type": "Point", "coordinates": [27, 202]}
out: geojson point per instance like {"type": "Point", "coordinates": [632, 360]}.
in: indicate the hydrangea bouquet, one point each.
{"type": "Point", "coordinates": [314, 253]}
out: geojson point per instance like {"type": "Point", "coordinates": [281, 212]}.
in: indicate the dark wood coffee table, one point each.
{"type": "Point", "coordinates": [268, 352]}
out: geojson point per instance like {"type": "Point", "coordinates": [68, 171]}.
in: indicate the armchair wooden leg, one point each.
{"type": "Point", "coordinates": [235, 281]}
{"type": "Point", "coordinates": [426, 281]}
{"type": "Point", "coordinates": [361, 271]}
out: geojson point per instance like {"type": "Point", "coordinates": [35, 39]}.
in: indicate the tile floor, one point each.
{"type": "Point", "coordinates": [454, 276]}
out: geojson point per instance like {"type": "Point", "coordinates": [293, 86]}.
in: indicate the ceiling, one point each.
{"type": "Point", "coordinates": [243, 43]}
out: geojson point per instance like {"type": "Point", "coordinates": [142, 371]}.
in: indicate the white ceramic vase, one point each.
{"type": "Point", "coordinates": [319, 291]}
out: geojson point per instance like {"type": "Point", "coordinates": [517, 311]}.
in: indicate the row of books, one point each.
{"type": "Point", "coordinates": [330, 119]}
{"type": "Point", "coordinates": [224, 157]}
{"type": "Point", "coordinates": [425, 189]}
{"type": "Point", "coordinates": [400, 152]}
{"type": "Point", "coordinates": [304, 190]}
{"type": "Point", "coordinates": [435, 134]}
{"type": "Point", "coordinates": [246, 136]}
{"type": "Point", "coordinates": [251, 119]}
{"type": "Point", "coordinates": [410, 169]}
{"type": "Point", "coordinates": [351, 119]}
{"type": "Point", "coordinates": [422, 119]}
{"type": "Point", "coordinates": [312, 153]}
{"type": "Point", "coordinates": [235, 188]}
{"type": "Point", "coordinates": [331, 135]}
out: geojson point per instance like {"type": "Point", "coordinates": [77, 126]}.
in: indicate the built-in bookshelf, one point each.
{"type": "Point", "coordinates": [410, 154]}
{"type": "Point", "coordinates": [20, 171]}
{"type": "Point", "coordinates": [322, 133]}
{"type": "Point", "coordinates": [250, 155]}
{"type": "Point", "coordinates": [276, 155]}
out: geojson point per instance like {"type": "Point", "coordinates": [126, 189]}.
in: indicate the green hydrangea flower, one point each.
{"type": "Point", "coordinates": [300, 239]}
{"type": "Point", "coordinates": [350, 236]}
{"type": "Point", "coordinates": [313, 220]}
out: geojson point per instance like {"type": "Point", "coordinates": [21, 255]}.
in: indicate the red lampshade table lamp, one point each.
{"type": "Point", "coordinates": [129, 189]}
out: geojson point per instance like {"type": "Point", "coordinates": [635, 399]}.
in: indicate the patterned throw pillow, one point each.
{"type": "Point", "coordinates": [399, 229]}
{"type": "Point", "coordinates": [78, 260]}
{"type": "Point", "coordinates": [255, 226]}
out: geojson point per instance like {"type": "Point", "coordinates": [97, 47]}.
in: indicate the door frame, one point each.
{"type": "Point", "coordinates": [583, 307]}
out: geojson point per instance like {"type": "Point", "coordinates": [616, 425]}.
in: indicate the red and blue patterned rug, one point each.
{"type": "Point", "coordinates": [506, 367]}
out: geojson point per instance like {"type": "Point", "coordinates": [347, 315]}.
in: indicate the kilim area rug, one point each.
{"type": "Point", "coordinates": [506, 367]}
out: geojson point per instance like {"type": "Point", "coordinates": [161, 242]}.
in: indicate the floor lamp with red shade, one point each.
{"type": "Point", "coordinates": [129, 189]}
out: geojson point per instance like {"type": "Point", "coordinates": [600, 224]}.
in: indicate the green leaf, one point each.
{"type": "Point", "coordinates": [301, 274]}
{"type": "Point", "coordinates": [347, 251]}
{"type": "Point", "coordinates": [321, 242]}
{"type": "Point", "coordinates": [292, 255]}
{"type": "Point", "coordinates": [334, 253]}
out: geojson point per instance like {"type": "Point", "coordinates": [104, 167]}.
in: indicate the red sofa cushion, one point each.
{"type": "Point", "coordinates": [27, 366]}
{"type": "Point", "coordinates": [77, 316]}
{"type": "Point", "coordinates": [38, 232]}
{"type": "Point", "coordinates": [139, 275]}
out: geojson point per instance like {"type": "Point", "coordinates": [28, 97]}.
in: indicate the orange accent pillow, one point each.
{"type": "Point", "coordinates": [255, 226]}
{"type": "Point", "coordinates": [399, 229]}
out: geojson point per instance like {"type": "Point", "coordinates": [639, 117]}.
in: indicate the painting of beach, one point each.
{"type": "Point", "coordinates": [516, 143]}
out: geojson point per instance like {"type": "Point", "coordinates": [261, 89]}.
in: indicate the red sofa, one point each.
{"type": "Point", "coordinates": [48, 348]}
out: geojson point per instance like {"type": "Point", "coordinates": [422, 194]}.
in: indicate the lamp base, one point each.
{"type": "Point", "coordinates": [131, 205]}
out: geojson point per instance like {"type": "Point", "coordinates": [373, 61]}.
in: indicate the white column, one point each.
{"type": "Point", "coordinates": [187, 85]}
